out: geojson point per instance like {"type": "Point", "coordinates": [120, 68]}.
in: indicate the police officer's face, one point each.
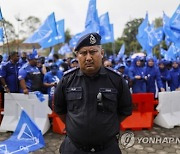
{"type": "Point", "coordinates": [90, 59]}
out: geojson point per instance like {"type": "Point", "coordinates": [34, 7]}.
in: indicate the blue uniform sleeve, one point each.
{"type": "Point", "coordinates": [22, 74]}
{"type": "Point", "coordinates": [158, 79]}
{"type": "Point", "coordinates": [3, 71]}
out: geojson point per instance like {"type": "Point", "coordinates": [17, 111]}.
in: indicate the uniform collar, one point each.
{"type": "Point", "coordinates": [101, 71]}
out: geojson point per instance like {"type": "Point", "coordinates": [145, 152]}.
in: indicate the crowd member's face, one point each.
{"type": "Point", "coordinates": [107, 63]}
{"type": "Point", "coordinates": [150, 62]}
{"type": "Point", "coordinates": [138, 63]}
{"type": "Point", "coordinates": [90, 59]}
{"type": "Point", "coordinates": [161, 66]}
{"type": "Point", "coordinates": [175, 65]}
{"type": "Point", "coordinates": [15, 58]}
{"type": "Point", "coordinates": [33, 62]}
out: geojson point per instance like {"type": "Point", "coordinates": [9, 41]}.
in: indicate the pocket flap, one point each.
{"type": "Point", "coordinates": [74, 93]}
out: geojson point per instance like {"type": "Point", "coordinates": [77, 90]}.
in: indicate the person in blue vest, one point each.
{"type": "Point", "coordinates": [9, 74]}
{"type": "Point", "coordinates": [51, 80]}
{"type": "Point", "coordinates": [29, 75]}
{"type": "Point", "coordinates": [164, 73]}
{"type": "Point", "coordinates": [137, 76]}
{"type": "Point", "coordinates": [175, 76]}
{"type": "Point", "coordinates": [152, 75]}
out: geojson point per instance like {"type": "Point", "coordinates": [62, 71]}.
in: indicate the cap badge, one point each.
{"type": "Point", "coordinates": [92, 39]}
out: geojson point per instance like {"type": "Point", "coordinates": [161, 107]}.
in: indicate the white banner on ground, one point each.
{"type": "Point", "coordinates": [169, 109]}
{"type": "Point", "coordinates": [38, 111]}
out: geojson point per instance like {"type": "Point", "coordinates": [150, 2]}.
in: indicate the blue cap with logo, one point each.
{"type": "Point", "coordinates": [89, 39]}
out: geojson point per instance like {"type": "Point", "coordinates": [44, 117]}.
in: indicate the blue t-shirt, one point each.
{"type": "Point", "coordinates": [9, 72]}
{"type": "Point", "coordinates": [32, 77]}
{"type": "Point", "coordinates": [51, 78]}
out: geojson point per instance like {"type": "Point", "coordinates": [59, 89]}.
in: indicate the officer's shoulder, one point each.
{"type": "Point", "coordinates": [113, 71]}
{"type": "Point", "coordinates": [70, 71]}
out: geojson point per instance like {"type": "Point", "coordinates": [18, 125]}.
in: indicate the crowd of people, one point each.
{"type": "Point", "coordinates": [30, 72]}
{"type": "Point", "coordinates": [147, 74]}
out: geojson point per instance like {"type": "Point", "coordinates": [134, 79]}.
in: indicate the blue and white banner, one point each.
{"type": "Point", "coordinates": [26, 138]}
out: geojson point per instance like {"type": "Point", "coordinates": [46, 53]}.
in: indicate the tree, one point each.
{"type": "Point", "coordinates": [158, 22]}
{"type": "Point", "coordinates": [10, 30]}
{"type": "Point", "coordinates": [29, 26]}
{"type": "Point", "coordinates": [129, 35]}
{"type": "Point", "coordinates": [67, 35]}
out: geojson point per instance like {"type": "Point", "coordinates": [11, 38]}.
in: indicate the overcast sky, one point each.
{"type": "Point", "coordinates": [74, 11]}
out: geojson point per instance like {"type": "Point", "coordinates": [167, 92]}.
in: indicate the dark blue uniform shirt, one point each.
{"type": "Point", "coordinates": [92, 105]}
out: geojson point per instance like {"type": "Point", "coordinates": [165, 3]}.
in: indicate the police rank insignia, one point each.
{"type": "Point", "coordinates": [92, 39]}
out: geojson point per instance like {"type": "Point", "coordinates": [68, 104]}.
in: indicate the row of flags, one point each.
{"type": "Point", "coordinates": [97, 24]}
{"type": "Point", "coordinates": [49, 33]}
{"type": "Point", "coordinates": [148, 36]}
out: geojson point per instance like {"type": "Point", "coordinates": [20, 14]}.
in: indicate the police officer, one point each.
{"type": "Point", "coordinates": [9, 73]}
{"type": "Point", "coordinates": [92, 100]}
{"type": "Point", "coordinates": [30, 76]}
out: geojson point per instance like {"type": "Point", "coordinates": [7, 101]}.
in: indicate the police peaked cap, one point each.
{"type": "Point", "coordinates": [89, 39]}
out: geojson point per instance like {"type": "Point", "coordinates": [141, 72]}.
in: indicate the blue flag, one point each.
{"type": "Point", "coordinates": [142, 36]}
{"type": "Point", "coordinates": [1, 34]}
{"type": "Point", "coordinates": [46, 31]}
{"type": "Point", "coordinates": [173, 36]}
{"type": "Point", "coordinates": [26, 138]}
{"type": "Point", "coordinates": [121, 52]}
{"type": "Point", "coordinates": [105, 29]}
{"type": "Point", "coordinates": [91, 13]}
{"type": "Point", "coordinates": [171, 53]}
{"type": "Point", "coordinates": [1, 17]}
{"type": "Point", "coordinates": [92, 20]}
{"type": "Point", "coordinates": [64, 49]}
{"type": "Point", "coordinates": [50, 56]}
{"type": "Point", "coordinates": [163, 52]}
{"type": "Point", "coordinates": [60, 38]}
{"type": "Point", "coordinates": [175, 20]}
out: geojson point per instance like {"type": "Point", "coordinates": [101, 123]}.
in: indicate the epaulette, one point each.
{"type": "Point", "coordinates": [114, 71]}
{"type": "Point", "coordinates": [70, 71]}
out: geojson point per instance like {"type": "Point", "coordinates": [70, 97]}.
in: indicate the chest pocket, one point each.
{"type": "Point", "coordinates": [74, 99]}
{"type": "Point", "coordinates": [109, 99]}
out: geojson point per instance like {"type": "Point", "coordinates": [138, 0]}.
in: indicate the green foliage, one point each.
{"type": "Point", "coordinates": [129, 36]}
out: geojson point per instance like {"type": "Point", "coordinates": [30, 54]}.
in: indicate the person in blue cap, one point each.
{"type": "Point", "coordinates": [92, 100]}
{"type": "Point", "coordinates": [29, 75]}
{"type": "Point", "coordinates": [74, 63]}
{"type": "Point", "coordinates": [51, 80]}
{"type": "Point", "coordinates": [152, 75]}
{"type": "Point", "coordinates": [164, 74]}
{"type": "Point", "coordinates": [9, 73]}
{"type": "Point", "coordinates": [137, 76]}
{"type": "Point", "coordinates": [175, 76]}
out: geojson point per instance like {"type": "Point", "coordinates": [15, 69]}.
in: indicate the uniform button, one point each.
{"type": "Point", "coordinates": [93, 150]}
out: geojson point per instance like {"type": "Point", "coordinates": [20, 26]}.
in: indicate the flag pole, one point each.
{"type": "Point", "coordinates": [6, 36]}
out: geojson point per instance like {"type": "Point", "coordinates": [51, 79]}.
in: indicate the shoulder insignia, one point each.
{"type": "Point", "coordinates": [70, 71]}
{"type": "Point", "coordinates": [114, 71]}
